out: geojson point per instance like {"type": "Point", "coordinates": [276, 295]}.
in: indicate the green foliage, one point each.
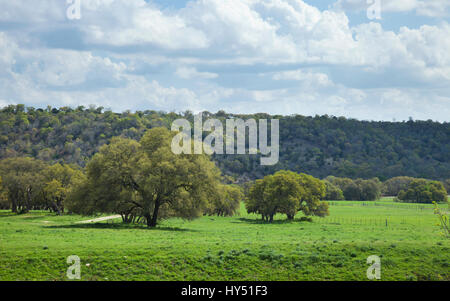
{"type": "Point", "coordinates": [424, 191]}
{"type": "Point", "coordinates": [4, 203]}
{"type": "Point", "coordinates": [32, 184]}
{"type": "Point", "coordinates": [446, 184]}
{"type": "Point", "coordinates": [444, 222]}
{"type": "Point", "coordinates": [226, 202]}
{"type": "Point", "coordinates": [310, 201]}
{"type": "Point", "coordinates": [59, 180]}
{"type": "Point", "coordinates": [287, 192]}
{"type": "Point", "coordinates": [393, 186]}
{"type": "Point", "coordinates": [107, 186]}
{"type": "Point", "coordinates": [23, 181]}
{"type": "Point", "coordinates": [320, 145]}
{"type": "Point", "coordinates": [359, 189]}
{"type": "Point", "coordinates": [333, 192]}
{"type": "Point", "coordinates": [370, 189]}
{"type": "Point", "coordinates": [146, 180]}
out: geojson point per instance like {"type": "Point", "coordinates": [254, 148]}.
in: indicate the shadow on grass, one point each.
{"type": "Point", "coordinates": [32, 218]}
{"type": "Point", "coordinates": [260, 221]}
{"type": "Point", "coordinates": [24, 216]}
{"type": "Point", "coordinates": [31, 215]}
{"type": "Point", "coordinates": [117, 226]}
{"type": "Point", "coordinates": [7, 214]}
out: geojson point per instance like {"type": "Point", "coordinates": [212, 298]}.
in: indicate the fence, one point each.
{"type": "Point", "coordinates": [376, 204]}
{"type": "Point", "coordinates": [388, 222]}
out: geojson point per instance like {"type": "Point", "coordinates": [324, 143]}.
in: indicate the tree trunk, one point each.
{"type": "Point", "coordinates": [151, 222]}
{"type": "Point", "coordinates": [148, 219]}
{"type": "Point", "coordinates": [14, 206]}
{"type": "Point", "coordinates": [57, 208]}
{"type": "Point", "coordinates": [271, 218]}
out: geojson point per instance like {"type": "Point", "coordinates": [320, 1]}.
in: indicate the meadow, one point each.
{"type": "Point", "coordinates": [406, 237]}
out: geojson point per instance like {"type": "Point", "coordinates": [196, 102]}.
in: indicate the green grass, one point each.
{"type": "Point", "coordinates": [35, 246]}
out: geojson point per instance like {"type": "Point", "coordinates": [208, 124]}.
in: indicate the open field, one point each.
{"type": "Point", "coordinates": [35, 246]}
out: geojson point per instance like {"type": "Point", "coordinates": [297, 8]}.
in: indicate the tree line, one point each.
{"type": "Point", "coordinates": [144, 181]}
{"type": "Point", "coordinates": [320, 146]}
{"type": "Point", "coordinates": [140, 180]}
{"type": "Point", "coordinates": [404, 189]}
{"type": "Point", "coordinates": [30, 184]}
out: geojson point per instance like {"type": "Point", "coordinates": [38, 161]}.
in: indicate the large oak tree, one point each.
{"type": "Point", "coordinates": [288, 193]}
{"type": "Point", "coordinates": [146, 179]}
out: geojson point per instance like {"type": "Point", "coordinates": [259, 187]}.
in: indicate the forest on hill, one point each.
{"type": "Point", "coordinates": [320, 146]}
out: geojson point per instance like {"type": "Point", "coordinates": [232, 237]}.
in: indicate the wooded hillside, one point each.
{"type": "Point", "coordinates": [320, 146]}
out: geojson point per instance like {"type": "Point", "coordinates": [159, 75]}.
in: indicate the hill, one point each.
{"type": "Point", "coordinates": [320, 145]}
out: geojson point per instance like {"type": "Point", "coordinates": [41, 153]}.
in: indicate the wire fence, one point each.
{"type": "Point", "coordinates": [387, 222]}
{"type": "Point", "coordinates": [418, 207]}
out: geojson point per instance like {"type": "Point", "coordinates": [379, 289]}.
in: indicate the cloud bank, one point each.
{"type": "Point", "coordinates": [275, 56]}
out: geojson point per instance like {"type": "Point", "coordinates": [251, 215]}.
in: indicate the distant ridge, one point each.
{"type": "Point", "coordinates": [320, 145]}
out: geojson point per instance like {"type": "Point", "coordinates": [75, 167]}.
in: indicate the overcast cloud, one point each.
{"type": "Point", "coordinates": [242, 56]}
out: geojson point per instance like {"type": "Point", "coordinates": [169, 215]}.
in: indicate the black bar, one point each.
{"type": "Point", "coordinates": [223, 289]}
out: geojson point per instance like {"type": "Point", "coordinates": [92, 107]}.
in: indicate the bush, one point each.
{"type": "Point", "coordinates": [424, 191]}
{"type": "Point", "coordinates": [333, 193]}
{"type": "Point", "coordinates": [446, 184]}
{"type": "Point", "coordinates": [393, 186]}
{"type": "Point", "coordinates": [359, 189]}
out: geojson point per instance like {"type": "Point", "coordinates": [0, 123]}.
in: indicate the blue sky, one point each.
{"type": "Point", "coordinates": [243, 56]}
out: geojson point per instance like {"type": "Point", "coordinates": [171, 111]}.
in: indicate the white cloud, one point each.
{"type": "Point", "coordinates": [192, 73]}
{"type": "Point", "coordinates": [65, 68]}
{"type": "Point", "coordinates": [313, 79]}
{"type": "Point", "coordinates": [208, 55]}
{"type": "Point", "coordinates": [428, 8]}
{"type": "Point", "coordinates": [135, 22]}
{"type": "Point", "coordinates": [49, 75]}
{"type": "Point", "coordinates": [32, 11]}
{"type": "Point", "coordinates": [7, 50]}
{"type": "Point", "coordinates": [420, 53]}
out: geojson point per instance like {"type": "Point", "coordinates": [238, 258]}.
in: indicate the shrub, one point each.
{"type": "Point", "coordinates": [424, 191]}
{"type": "Point", "coordinates": [393, 186]}
{"type": "Point", "coordinates": [333, 192]}
{"type": "Point", "coordinates": [359, 189]}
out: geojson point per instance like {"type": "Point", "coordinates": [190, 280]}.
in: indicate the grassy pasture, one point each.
{"type": "Point", "coordinates": [35, 246]}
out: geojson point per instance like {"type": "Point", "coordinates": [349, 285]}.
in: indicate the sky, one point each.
{"type": "Point", "coordinates": [243, 56]}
